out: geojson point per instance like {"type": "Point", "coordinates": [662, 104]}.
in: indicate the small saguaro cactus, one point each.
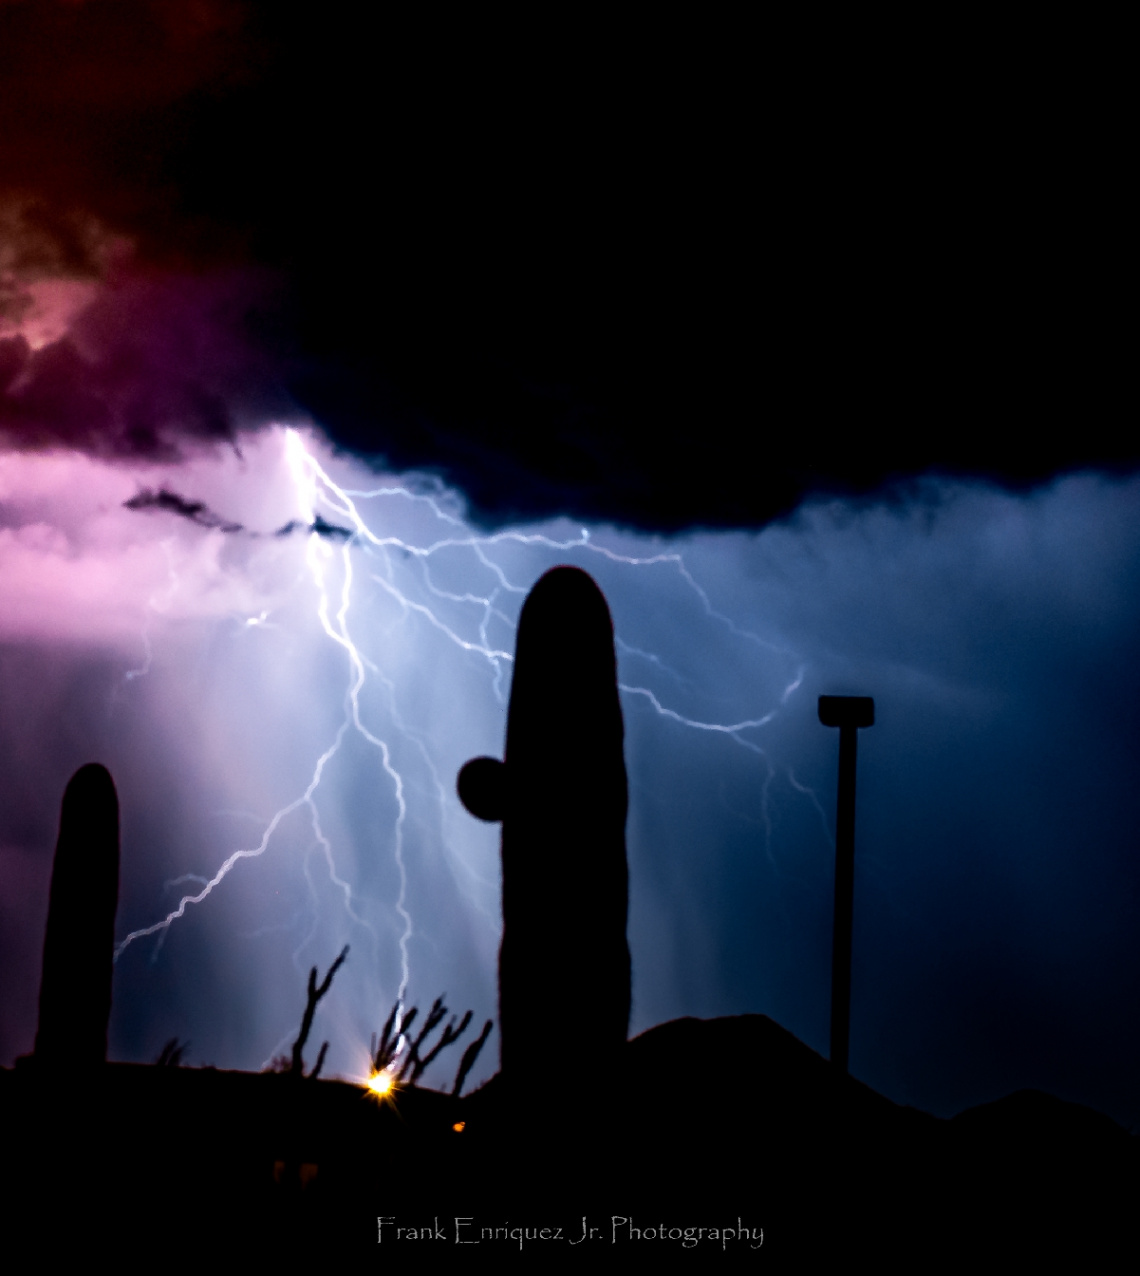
{"type": "Point", "coordinates": [561, 794]}
{"type": "Point", "coordinates": [75, 987]}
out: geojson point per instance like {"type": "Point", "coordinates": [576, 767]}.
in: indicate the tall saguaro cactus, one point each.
{"type": "Point", "coordinates": [75, 987]}
{"type": "Point", "coordinates": [561, 793]}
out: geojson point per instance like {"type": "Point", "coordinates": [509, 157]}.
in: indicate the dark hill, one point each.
{"type": "Point", "coordinates": [149, 1155]}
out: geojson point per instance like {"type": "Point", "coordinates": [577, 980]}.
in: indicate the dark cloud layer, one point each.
{"type": "Point", "coordinates": [171, 503]}
{"type": "Point", "coordinates": [153, 364]}
{"type": "Point", "coordinates": [659, 276]}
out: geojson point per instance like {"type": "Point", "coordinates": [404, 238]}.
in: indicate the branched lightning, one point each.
{"type": "Point", "coordinates": [343, 554]}
{"type": "Point", "coordinates": [237, 856]}
{"type": "Point", "coordinates": [733, 729]}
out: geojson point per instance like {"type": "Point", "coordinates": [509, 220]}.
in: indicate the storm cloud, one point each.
{"type": "Point", "coordinates": [584, 280]}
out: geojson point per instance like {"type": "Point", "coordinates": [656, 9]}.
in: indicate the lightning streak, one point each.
{"type": "Point", "coordinates": [339, 535]}
{"type": "Point", "coordinates": [236, 857]}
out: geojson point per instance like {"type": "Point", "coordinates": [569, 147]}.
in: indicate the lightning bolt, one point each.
{"type": "Point", "coordinates": [343, 554]}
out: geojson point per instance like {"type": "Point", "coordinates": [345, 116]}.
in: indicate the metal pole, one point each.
{"type": "Point", "coordinates": [844, 900]}
{"type": "Point", "coordinates": [848, 713]}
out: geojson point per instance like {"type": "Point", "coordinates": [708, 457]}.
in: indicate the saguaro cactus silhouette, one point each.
{"type": "Point", "coordinates": [564, 971]}
{"type": "Point", "coordinates": [75, 987]}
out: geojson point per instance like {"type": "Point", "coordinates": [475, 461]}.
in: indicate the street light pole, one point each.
{"type": "Point", "coordinates": [848, 713]}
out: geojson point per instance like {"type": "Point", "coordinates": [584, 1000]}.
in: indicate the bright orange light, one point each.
{"type": "Point", "coordinates": [382, 1083]}
{"type": "Point", "coordinates": [458, 1126]}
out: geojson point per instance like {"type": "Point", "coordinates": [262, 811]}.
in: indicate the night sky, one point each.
{"type": "Point", "coordinates": [813, 364]}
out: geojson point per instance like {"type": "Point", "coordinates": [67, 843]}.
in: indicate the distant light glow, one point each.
{"type": "Point", "coordinates": [382, 1083]}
